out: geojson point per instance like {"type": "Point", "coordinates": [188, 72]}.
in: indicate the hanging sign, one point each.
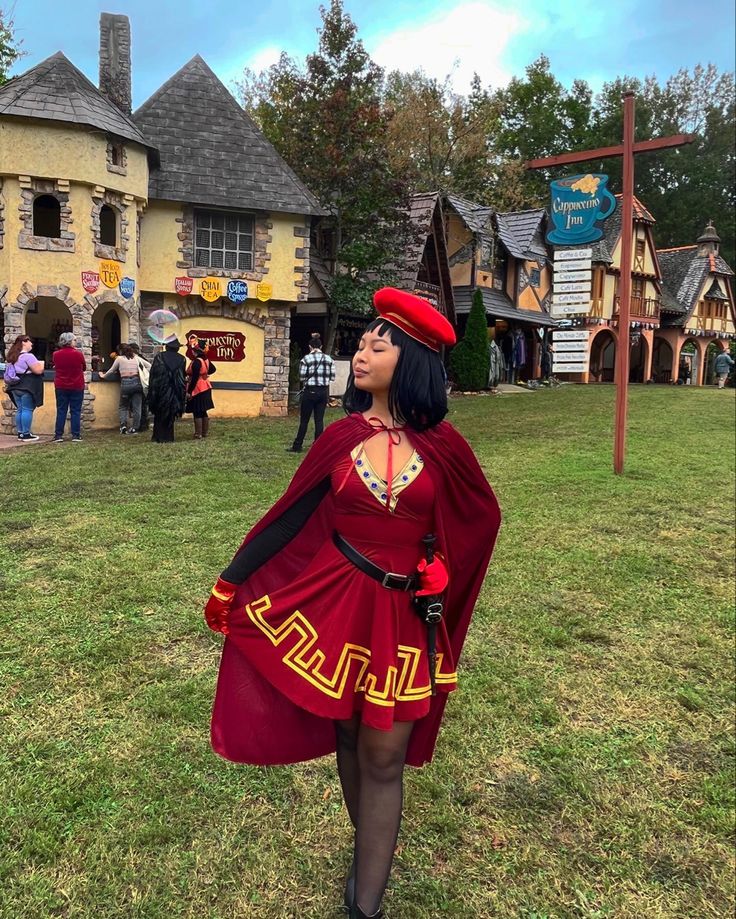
{"type": "Point", "coordinates": [578, 205]}
{"type": "Point", "coordinates": [570, 309]}
{"type": "Point", "coordinates": [567, 255]}
{"type": "Point", "coordinates": [183, 286]}
{"type": "Point", "coordinates": [110, 273]}
{"type": "Point", "coordinates": [564, 348]}
{"type": "Point", "coordinates": [264, 292]}
{"type": "Point", "coordinates": [237, 291]}
{"type": "Point", "coordinates": [564, 277]}
{"type": "Point", "coordinates": [579, 264]}
{"type": "Point", "coordinates": [572, 287]}
{"type": "Point", "coordinates": [559, 299]}
{"type": "Point", "coordinates": [572, 367]}
{"type": "Point", "coordinates": [558, 335]}
{"type": "Point", "coordinates": [210, 289]}
{"type": "Point", "coordinates": [222, 346]}
{"type": "Point", "coordinates": [90, 281]}
{"type": "Point", "coordinates": [126, 287]}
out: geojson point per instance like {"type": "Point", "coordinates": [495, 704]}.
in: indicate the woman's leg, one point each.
{"type": "Point", "coordinates": [381, 756]}
{"type": "Point", "coordinates": [24, 414]}
{"type": "Point", "coordinates": [123, 410]}
{"type": "Point", "coordinates": [136, 401]}
{"type": "Point", "coordinates": [346, 733]}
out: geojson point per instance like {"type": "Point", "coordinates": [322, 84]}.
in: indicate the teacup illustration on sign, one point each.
{"type": "Point", "coordinates": [579, 204]}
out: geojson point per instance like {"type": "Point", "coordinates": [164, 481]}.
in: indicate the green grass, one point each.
{"type": "Point", "coordinates": [585, 766]}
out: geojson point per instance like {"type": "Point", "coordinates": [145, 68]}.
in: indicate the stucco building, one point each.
{"type": "Point", "coordinates": [107, 215]}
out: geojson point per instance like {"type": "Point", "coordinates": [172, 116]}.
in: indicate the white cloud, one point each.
{"type": "Point", "coordinates": [470, 38]}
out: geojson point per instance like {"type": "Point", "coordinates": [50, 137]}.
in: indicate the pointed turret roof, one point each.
{"type": "Point", "coordinates": [211, 152]}
{"type": "Point", "coordinates": [55, 90]}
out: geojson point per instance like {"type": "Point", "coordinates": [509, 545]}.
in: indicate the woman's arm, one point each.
{"type": "Point", "coordinates": [103, 374]}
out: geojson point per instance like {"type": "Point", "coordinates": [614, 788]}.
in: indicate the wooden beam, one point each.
{"type": "Point", "coordinates": [602, 153]}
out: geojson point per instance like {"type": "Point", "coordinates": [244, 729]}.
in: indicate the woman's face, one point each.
{"type": "Point", "coordinates": [374, 362]}
{"type": "Point", "coordinates": [26, 344]}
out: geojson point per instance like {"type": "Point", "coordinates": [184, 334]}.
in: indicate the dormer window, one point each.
{"type": "Point", "coordinates": [108, 226]}
{"type": "Point", "coordinates": [117, 157]}
{"type": "Point", "coordinates": [47, 217]}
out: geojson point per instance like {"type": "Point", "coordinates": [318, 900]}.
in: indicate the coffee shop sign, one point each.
{"type": "Point", "coordinates": [579, 204]}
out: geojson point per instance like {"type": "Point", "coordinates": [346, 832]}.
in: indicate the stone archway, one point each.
{"type": "Point", "coordinates": [638, 360]}
{"type": "Point", "coordinates": [603, 356]}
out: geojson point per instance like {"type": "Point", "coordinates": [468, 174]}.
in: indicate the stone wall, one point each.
{"type": "Point", "coordinates": [121, 205]}
{"type": "Point", "coordinates": [262, 227]}
{"type": "Point", "coordinates": [30, 190]}
{"type": "Point", "coordinates": [115, 60]}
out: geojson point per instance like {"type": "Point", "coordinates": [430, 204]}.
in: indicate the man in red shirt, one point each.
{"type": "Point", "coordinates": [70, 366]}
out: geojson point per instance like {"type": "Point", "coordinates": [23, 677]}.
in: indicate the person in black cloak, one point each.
{"type": "Point", "coordinates": [166, 391]}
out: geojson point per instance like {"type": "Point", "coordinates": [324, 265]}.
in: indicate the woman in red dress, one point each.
{"type": "Point", "coordinates": [324, 606]}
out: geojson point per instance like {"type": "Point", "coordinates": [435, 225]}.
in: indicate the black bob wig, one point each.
{"type": "Point", "coordinates": [418, 395]}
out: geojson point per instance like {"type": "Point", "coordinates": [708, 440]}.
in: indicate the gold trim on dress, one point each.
{"type": "Point", "coordinates": [376, 485]}
{"type": "Point", "coordinates": [304, 658]}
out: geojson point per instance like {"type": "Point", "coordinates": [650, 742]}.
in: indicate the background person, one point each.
{"type": "Point", "coordinates": [144, 369]}
{"type": "Point", "coordinates": [24, 380]}
{"type": "Point", "coordinates": [70, 367]}
{"type": "Point", "coordinates": [336, 561]}
{"type": "Point", "coordinates": [722, 366]}
{"type": "Point", "coordinates": [166, 391]}
{"type": "Point", "coordinates": [199, 390]}
{"type": "Point", "coordinates": [127, 365]}
{"type": "Point", "coordinates": [316, 372]}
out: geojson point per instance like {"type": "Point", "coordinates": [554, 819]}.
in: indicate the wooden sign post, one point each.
{"type": "Point", "coordinates": [628, 149]}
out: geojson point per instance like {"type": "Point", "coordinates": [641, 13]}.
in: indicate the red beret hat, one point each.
{"type": "Point", "coordinates": [415, 316]}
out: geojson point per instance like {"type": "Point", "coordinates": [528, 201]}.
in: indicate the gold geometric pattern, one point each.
{"type": "Point", "coordinates": [306, 659]}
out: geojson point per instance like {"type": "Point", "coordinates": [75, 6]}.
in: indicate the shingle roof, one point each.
{"type": "Point", "coordinates": [211, 151]}
{"type": "Point", "coordinates": [683, 275]}
{"type": "Point", "coordinates": [477, 217]}
{"type": "Point", "coordinates": [56, 91]}
{"type": "Point", "coordinates": [421, 212]}
{"type": "Point", "coordinates": [520, 232]}
{"type": "Point", "coordinates": [498, 304]}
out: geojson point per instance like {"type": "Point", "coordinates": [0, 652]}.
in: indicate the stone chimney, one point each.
{"type": "Point", "coordinates": [708, 241]}
{"type": "Point", "coordinates": [115, 60]}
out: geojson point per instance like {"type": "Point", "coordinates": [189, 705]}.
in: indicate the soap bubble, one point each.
{"type": "Point", "coordinates": [163, 326]}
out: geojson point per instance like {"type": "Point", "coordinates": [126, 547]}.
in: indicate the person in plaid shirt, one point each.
{"type": "Point", "coordinates": [316, 372]}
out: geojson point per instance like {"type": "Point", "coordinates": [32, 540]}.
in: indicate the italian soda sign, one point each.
{"type": "Point", "coordinates": [578, 206]}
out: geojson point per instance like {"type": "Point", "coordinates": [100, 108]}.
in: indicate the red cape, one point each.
{"type": "Point", "coordinates": [251, 721]}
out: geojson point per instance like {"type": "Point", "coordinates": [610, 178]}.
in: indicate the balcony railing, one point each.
{"type": "Point", "coordinates": [711, 323]}
{"type": "Point", "coordinates": [641, 308]}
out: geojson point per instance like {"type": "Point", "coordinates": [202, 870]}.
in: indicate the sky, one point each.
{"type": "Point", "coordinates": [592, 41]}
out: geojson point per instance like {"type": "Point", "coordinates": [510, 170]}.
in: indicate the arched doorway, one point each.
{"type": "Point", "coordinates": [687, 370]}
{"type": "Point", "coordinates": [110, 326]}
{"type": "Point", "coordinates": [602, 357]}
{"type": "Point", "coordinates": [638, 360]}
{"type": "Point", "coordinates": [662, 361]}
{"type": "Point", "coordinates": [45, 319]}
{"type": "Point", "coordinates": [711, 353]}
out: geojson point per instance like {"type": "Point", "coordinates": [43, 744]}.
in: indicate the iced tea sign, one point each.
{"type": "Point", "coordinates": [578, 206]}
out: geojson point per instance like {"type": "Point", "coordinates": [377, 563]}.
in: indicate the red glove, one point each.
{"type": "Point", "coordinates": [433, 576]}
{"type": "Point", "coordinates": [218, 606]}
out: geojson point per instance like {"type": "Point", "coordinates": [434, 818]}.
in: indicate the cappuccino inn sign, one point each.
{"type": "Point", "coordinates": [579, 204]}
{"type": "Point", "coordinates": [222, 346]}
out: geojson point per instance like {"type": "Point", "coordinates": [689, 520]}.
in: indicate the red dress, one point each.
{"type": "Point", "coordinates": [334, 640]}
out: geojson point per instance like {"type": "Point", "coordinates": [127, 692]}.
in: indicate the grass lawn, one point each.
{"type": "Point", "coordinates": [584, 769]}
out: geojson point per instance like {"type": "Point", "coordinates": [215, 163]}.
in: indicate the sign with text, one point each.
{"type": "Point", "coordinates": [210, 289]}
{"type": "Point", "coordinates": [110, 273]}
{"type": "Point", "coordinates": [572, 367]}
{"type": "Point", "coordinates": [90, 281]}
{"type": "Point", "coordinates": [563, 277]}
{"type": "Point", "coordinates": [565, 347]}
{"type": "Point", "coordinates": [222, 346]}
{"type": "Point", "coordinates": [572, 287]}
{"type": "Point", "coordinates": [559, 335]}
{"type": "Point", "coordinates": [127, 287]}
{"type": "Point", "coordinates": [560, 299]}
{"type": "Point", "coordinates": [576, 265]}
{"type": "Point", "coordinates": [567, 255]}
{"type": "Point", "coordinates": [578, 206]}
{"type": "Point", "coordinates": [183, 286]}
{"type": "Point", "coordinates": [264, 291]}
{"type": "Point", "coordinates": [237, 291]}
{"type": "Point", "coordinates": [569, 309]}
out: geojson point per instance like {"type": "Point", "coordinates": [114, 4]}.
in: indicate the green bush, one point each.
{"type": "Point", "coordinates": [469, 361]}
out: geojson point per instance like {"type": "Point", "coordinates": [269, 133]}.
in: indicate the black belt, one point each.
{"type": "Point", "coordinates": [404, 582]}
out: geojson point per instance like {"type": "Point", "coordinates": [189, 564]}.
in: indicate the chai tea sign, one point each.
{"type": "Point", "coordinates": [578, 206]}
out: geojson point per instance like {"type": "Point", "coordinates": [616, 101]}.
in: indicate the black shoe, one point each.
{"type": "Point", "coordinates": [293, 449]}
{"type": "Point", "coordinates": [357, 913]}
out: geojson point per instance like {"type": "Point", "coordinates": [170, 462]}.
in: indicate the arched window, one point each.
{"type": "Point", "coordinates": [46, 217]}
{"type": "Point", "coordinates": [108, 226]}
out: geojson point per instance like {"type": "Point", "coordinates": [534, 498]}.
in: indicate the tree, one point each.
{"type": "Point", "coordinates": [10, 49]}
{"type": "Point", "coordinates": [327, 121]}
{"type": "Point", "coordinates": [469, 359]}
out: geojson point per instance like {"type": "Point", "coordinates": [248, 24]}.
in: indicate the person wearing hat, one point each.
{"type": "Point", "coordinates": [166, 391]}
{"type": "Point", "coordinates": [346, 607]}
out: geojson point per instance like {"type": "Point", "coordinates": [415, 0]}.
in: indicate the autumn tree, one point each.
{"type": "Point", "coordinates": [327, 120]}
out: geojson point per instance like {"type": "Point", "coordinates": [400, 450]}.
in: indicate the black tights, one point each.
{"type": "Point", "coordinates": [370, 764]}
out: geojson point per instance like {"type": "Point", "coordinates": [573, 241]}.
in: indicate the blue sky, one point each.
{"type": "Point", "coordinates": [593, 41]}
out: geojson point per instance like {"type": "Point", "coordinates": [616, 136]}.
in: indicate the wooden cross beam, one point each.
{"type": "Point", "coordinates": [627, 150]}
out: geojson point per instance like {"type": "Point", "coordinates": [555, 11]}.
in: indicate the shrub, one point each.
{"type": "Point", "coordinates": [469, 361]}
